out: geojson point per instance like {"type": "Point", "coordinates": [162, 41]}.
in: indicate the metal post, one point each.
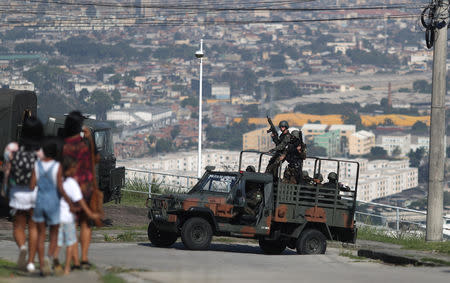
{"type": "Point", "coordinates": [149, 184]}
{"type": "Point", "coordinates": [437, 132]}
{"type": "Point", "coordinates": [397, 219]}
{"type": "Point", "coordinates": [199, 165]}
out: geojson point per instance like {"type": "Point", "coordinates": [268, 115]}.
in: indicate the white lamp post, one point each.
{"type": "Point", "coordinates": [200, 54]}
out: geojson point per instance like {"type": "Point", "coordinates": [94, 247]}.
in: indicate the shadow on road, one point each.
{"type": "Point", "coordinates": [230, 248]}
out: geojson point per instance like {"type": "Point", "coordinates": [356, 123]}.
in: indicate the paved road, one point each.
{"type": "Point", "coordinates": [243, 263]}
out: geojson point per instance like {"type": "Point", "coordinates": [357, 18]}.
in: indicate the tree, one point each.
{"type": "Point", "coordinates": [84, 93]}
{"type": "Point", "coordinates": [388, 122]}
{"type": "Point", "coordinates": [104, 70]}
{"type": "Point", "coordinates": [163, 145]}
{"type": "Point", "coordinates": [100, 103]}
{"type": "Point", "coordinates": [421, 86]}
{"type": "Point", "coordinates": [415, 157]}
{"type": "Point", "coordinates": [175, 131]}
{"type": "Point", "coordinates": [378, 152]}
{"type": "Point", "coordinates": [351, 118]}
{"type": "Point", "coordinates": [396, 151]}
{"type": "Point", "coordinates": [419, 128]}
{"type": "Point", "coordinates": [116, 96]}
{"type": "Point", "coordinates": [286, 89]}
{"type": "Point", "coordinates": [277, 62]}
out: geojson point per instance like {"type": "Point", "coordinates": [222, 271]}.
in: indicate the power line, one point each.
{"type": "Point", "coordinates": [70, 23]}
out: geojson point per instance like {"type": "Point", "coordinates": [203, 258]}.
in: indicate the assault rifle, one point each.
{"type": "Point", "coordinates": [272, 127]}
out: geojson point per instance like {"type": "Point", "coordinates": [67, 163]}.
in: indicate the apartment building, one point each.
{"type": "Point", "coordinates": [393, 141]}
{"type": "Point", "coordinates": [331, 141]}
{"type": "Point", "coordinates": [257, 139]}
{"type": "Point", "coordinates": [361, 142]}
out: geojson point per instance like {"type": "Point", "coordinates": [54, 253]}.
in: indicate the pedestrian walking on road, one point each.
{"type": "Point", "coordinates": [67, 235]}
{"type": "Point", "coordinates": [47, 176]}
{"type": "Point", "coordinates": [78, 147]}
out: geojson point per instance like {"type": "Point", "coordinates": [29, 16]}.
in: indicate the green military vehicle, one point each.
{"type": "Point", "coordinates": [300, 217]}
{"type": "Point", "coordinates": [15, 105]}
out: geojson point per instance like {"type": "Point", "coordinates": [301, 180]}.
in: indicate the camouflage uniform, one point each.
{"type": "Point", "coordinates": [281, 143]}
{"type": "Point", "coordinates": [294, 157]}
{"type": "Point", "coordinates": [253, 200]}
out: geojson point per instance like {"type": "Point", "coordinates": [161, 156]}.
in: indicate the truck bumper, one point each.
{"type": "Point", "coordinates": [164, 222]}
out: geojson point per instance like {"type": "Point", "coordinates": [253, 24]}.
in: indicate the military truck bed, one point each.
{"type": "Point", "coordinates": [314, 203]}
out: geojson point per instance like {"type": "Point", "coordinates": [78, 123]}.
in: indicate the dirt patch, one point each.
{"type": "Point", "coordinates": [124, 216]}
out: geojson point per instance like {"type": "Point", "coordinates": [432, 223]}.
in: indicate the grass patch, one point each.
{"type": "Point", "coordinates": [407, 241]}
{"type": "Point", "coordinates": [435, 260]}
{"type": "Point", "coordinates": [112, 278]}
{"type": "Point", "coordinates": [7, 268]}
{"type": "Point", "coordinates": [122, 228]}
{"type": "Point", "coordinates": [133, 199]}
{"type": "Point", "coordinates": [351, 255]}
{"type": "Point", "coordinates": [108, 238]}
{"type": "Point", "coordinates": [128, 236]}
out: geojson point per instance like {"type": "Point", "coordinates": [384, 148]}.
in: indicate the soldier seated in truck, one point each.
{"type": "Point", "coordinates": [253, 198]}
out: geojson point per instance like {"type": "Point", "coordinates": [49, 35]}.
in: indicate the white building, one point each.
{"type": "Point", "coordinates": [221, 91]}
{"type": "Point", "coordinates": [137, 116]}
{"type": "Point", "coordinates": [392, 141]}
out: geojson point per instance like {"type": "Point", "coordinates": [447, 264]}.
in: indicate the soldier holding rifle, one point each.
{"type": "Point", "coordinates": [281, 143]}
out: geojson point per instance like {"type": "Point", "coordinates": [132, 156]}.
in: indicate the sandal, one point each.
{"type": "Point", "coordinates": [86, 265]}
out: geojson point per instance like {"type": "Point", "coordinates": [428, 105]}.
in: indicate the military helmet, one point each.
{"type": "Point", "coordinates": [332, 177]}
{"type": "Point", "coordinates": [283, 123]}
{"type": "Point", "coordinates": [305, 174]}
{"type": "Point", "coordinates": [318, 176]}
{"type": "Point", "coordinates": [250, 168]}
{"type": "Point", "coordinates": [296, 134]}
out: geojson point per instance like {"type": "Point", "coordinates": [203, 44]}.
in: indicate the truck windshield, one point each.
{"type": "Point", "coordinates": [103, 142]}
{"type": "Point", "coordinates": [218, 183]}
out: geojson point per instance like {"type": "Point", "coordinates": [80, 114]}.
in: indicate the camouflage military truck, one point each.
{"type": "Point", "coordinates": [300, 217]}
{"type": "Point", "coordinates": [15, 105]}
{"type": "Point", "coordinates": [110, 179]}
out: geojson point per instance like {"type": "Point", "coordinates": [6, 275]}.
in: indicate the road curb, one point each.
{"type": "Point", "coordinates": [392, 258]}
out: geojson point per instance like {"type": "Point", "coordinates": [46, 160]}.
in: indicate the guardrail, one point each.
{"type": "Point", "coordinates": [145, 182]}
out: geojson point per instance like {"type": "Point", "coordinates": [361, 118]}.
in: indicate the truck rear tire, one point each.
{"type": "Point", "coordinates": [160, 238]}
{"type": "Point", "coordinates": [272, 247]}
{"type": "Point", "coordinates": [311, 241]}
{"type": "Point", "coordinates": [196, 234]}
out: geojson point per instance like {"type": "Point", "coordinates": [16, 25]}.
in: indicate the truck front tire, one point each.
{"type": "Point", "coordinates": [272, 247]}
{"type": "Point", "coordinates": [160, 238]}
{"type": "Point", "coordinates": [311, 241]}
{"type": "Point", "coordinates": [196, 234]}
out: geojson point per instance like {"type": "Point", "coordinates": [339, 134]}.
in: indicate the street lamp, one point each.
{"type": "Point", "coordinates": [200, 54]}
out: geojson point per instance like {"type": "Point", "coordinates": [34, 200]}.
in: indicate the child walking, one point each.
{"type": "Point", "coordinates": [67, 235]}
{"type": "Point", "coordinates": [47, 175]}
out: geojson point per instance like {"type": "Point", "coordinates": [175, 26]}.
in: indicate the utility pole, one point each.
{"type": "Point", "coordinates": [437, 132]}
{"type": "Point", "coordinates": [199, 54]}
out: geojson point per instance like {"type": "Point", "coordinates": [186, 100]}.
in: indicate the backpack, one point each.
{"type": "Point", "coordinates": [22, 165]}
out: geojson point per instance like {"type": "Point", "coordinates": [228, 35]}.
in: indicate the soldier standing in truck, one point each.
{"type": "Point", "coordinates": [295, 154]}
{"type": "Point", "coordinates": [281, 143]}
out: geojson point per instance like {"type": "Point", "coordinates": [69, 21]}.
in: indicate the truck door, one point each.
{"type": "Point", "coordinates": [252, 203]}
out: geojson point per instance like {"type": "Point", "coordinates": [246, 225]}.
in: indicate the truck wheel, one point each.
{"type": "Point", "coordinates": [272, 247]}
{"type": "Point", "coordinates": [160, 238]}
{"type": "Point", "coordinates": [196, 234]}
{"type": "Point", "coordinates": [311, 241]}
